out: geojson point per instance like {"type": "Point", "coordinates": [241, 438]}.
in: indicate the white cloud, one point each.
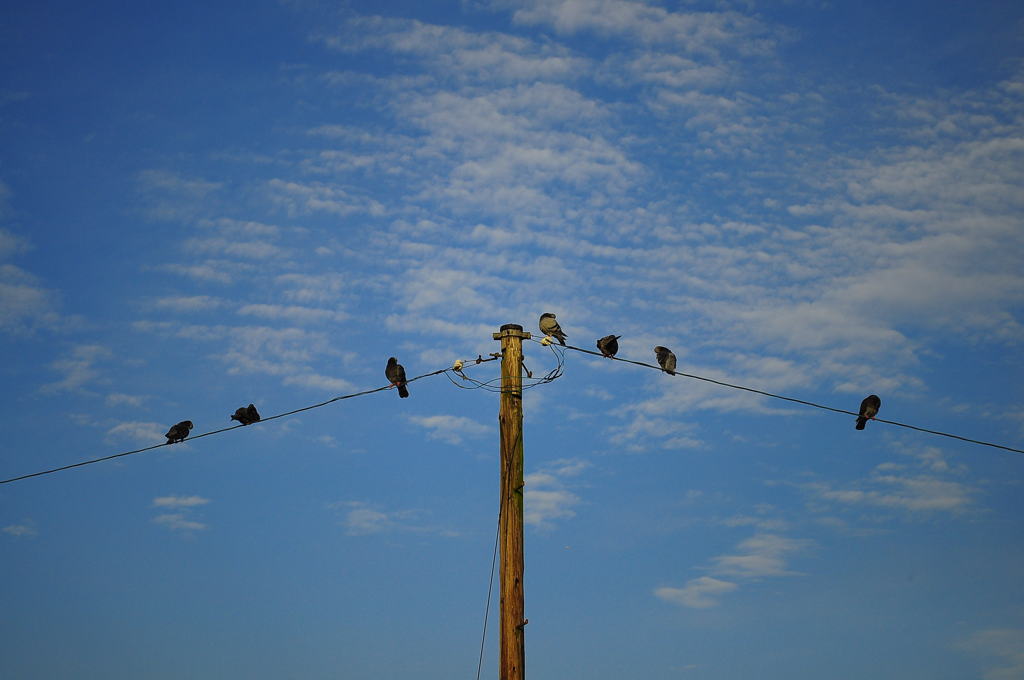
{"type": "Point", "coordinates": [179, 512]}
{"type": "Point", "coordinates": [315, 381]}
{"type": "Point", "coordinates": [546, 496]}
{"type": "Point", "coordinates": [454, 53]}
{"type": "Point", "coordinates": [760, 556]}
{"type": "Point", "coordinates": [311, 288]}
{"type": "Point", "coordinates": [293, 313]}
{"type": "Point", "coordinates": [912, 493]}
{"type": "Point", "coordinates": [78, 370]}
{"type": "Point", "coordinates": [193, 303]}
{"type": "Point", "coordinates": [303, 199]}
{"type": "Point", "coordinates": [249, 249]}
{"type": "Point", "coordinates": [363, 519]}
{"type": "Point", "coordinates": [24, 304]}
{"type": "Point", "coordinates": [1003, 647]}
{"type": "Point", "coordinates": [171, 196]}
{"type": "Point", "coordinates": [636, 435]}
{"type": "Point", "coordinates": [698, 593]}
{"type": "Point", "coordinates": [10, 244]}
{"type": "Point", "coordinates": [200, 272]}
{"type": "Point", "coordinates": [179, 522]}
{"type": "Point", "coordinates": [929, 485]}
{"type": "Point", "coordinates": [119, 399]}
{"type": "Point", "coordinates": [450, 429]}
{"type": "Point", "coordinates": [763, 555]}
{"type": "Point", "coordinates": [179, 501]}
{"type": "Point", "coordinates": [287, 353]}
{"type": "Point", "coordinates": [20, 530]}
{"type": "Point", "coordinates": [139, 432]}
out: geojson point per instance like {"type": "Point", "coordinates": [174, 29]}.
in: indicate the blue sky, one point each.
{"type": "Point", "coordinates": [207, 204]}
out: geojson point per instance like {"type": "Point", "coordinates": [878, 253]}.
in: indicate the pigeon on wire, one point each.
{"type": "Point", "coordinates": [868, 410]}
{"type": "Point", "coordinates": [178, 432]}
{"type": "Point", "coordinates": [246, 415]}
{"type": "Point", "coordinates": [395, 373]}
{"type": "Point", "coordinates": [548, 326]}
{"type": "Point", "coordinates": [609, 345]}
{"type": "Point", "coordinates": [666, 359]}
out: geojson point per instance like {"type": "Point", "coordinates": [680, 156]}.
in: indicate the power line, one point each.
{"type": "Point", "coordinates": [493, 385]}
{"type": "Point", "coordinates": [478, 360]}
{"type": "Point", "coordinates": [490, 589]}
{"type": "Point", "coordinates": [795, 400]}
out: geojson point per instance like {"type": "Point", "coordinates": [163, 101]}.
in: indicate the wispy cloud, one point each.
{"type": "Point", "coordinates": [171, 196]}
{"type": "Point", "coordinates": [119, 399]}
{"type": "Point", "coordinates": [292, 313]}
{"type": "Point", "coordinates": [547, 494]}
{"type": "Point", "coordinates": [288, 353]}
{"type": "Point", "coordinates": [177, 521]}
{"type": "Point", "coordinates": [26, 529]}
{"type": "Point", "coordinates": [179, 501]}
{"type": "Point", "coordinates": [760, 556]}
{"type": "Point", "coordinates": [699, 593]}
{"type": "Point", "coordinates": [919, 486]}
{"type": "Point", "coordinates": [316, 381]}
{"type": "Point", "coordinates": [459, 54]}
{"type": "Point", "coordinates": [179, 513]}
{"type": "Point", "coordinates": [1003, 649]}
{"type": "Point", "coordinates": [10, 244]}
{"type": "Point", "coordinates": [450, 429]}
{"type": "Point", "coordinates": [25, 305]}
{"type": "Point", "coordinates": [77, 370]}
{"type": "Point", "coordinates": [364, 519]}
{"type": "Point", "coordinates": [763, 555]}
{"type": "Point", "coordinates": [209, 271]}
{"type": "Point", "coordinates": [707, 33]}
{"type": "Point", "coordinates": [140, 432]}
{"type": "Point", "coordinates": [189, 303]}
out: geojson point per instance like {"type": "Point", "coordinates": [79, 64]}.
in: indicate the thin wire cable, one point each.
{"type": "Point", "coordinates": [235, 427]}
{"type": "Point", "coordinates": [490, 591]}
{"type": "Point", "coordinates": [798, 401]}
{"type": "Point", "coordinates": [493, 385]}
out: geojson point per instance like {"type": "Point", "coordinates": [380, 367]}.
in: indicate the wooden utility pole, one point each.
{"type": "Point", "coordinates": [510, 421]}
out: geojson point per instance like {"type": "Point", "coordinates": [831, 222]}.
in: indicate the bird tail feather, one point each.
{"type": "Point", "coordinates": [861, 422]}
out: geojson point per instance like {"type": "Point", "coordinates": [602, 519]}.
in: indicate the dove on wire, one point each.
{"type": "Point", "coordinates": [548, 326]}
{"type": "Point", "coordinates": [666, 359]}
{"type": "Point", "coordinates": [609, 345]}
{"type": "Point", "coordinates": [395, 374]}
{"type": "Point", "coordinates": [178, 432]}
{"type": "Point", "coordinates": [868, 409]}
{"type": "Point", "coordinates": [246, 415]}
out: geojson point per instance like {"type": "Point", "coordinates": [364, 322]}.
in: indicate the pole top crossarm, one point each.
{"type": "Point", "coordinates": [511, 330]}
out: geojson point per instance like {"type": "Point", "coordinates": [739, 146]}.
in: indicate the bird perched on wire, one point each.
{"type": "Point", "coordinates": [609, 345]}
{"type": "Point", "coordinates": [246, 415]}
{"type": "Point", "coordinates": [868, 410]}
{"type": "Point", "coordinates": [548, 326]}
{"type": "Point", "coordinates": [178, 432]}
{"type": "Point", "coordinates": [666, 359]}
{"type": "Point", "coordinates": [395, 373]}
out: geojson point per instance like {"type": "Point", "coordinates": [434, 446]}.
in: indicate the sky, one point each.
{"type": "Point", "coordinates": [207, 204]}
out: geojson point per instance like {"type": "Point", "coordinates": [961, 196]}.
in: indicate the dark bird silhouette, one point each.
{"type": "Point", "coordinates": [246, 415]}
{"type": "Point", "coordinates": [395, 373]}
{"type": "Point", "coordinates": [178, 432]}
{"type": "Point", "coordinates": [868, 410]}
{"type": "Point", "coordinates": [609, 345]}
{"type": "Point", "coordinates": [548, 326]}
{"type": "Point", "coordinates": [666, 359]}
